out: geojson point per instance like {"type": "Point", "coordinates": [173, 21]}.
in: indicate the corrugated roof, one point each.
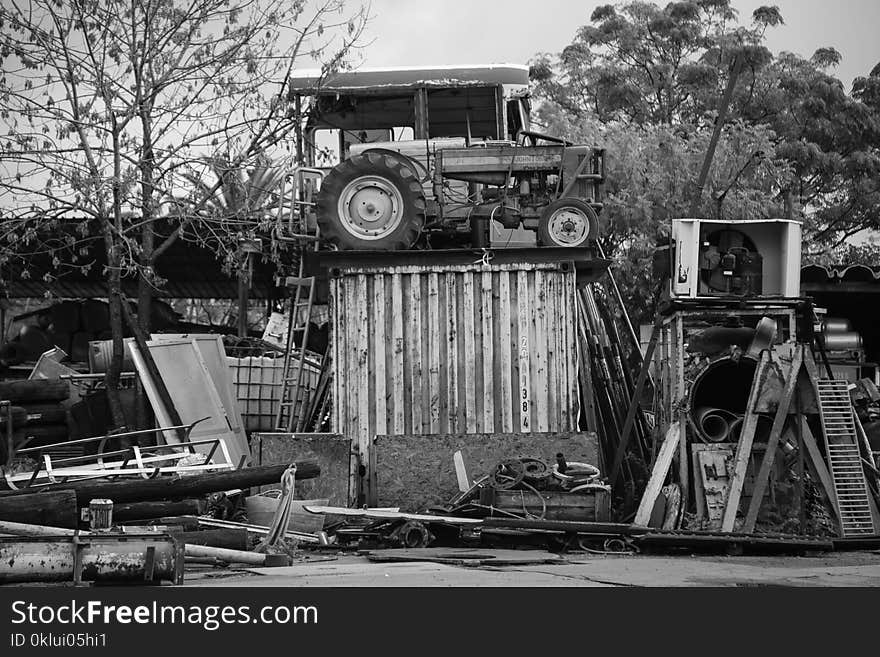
{"type": "Point", "coordinates": [840, 273]}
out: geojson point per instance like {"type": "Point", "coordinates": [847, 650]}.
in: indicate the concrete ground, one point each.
{"type": "Point", "coordinates": [826, 569]}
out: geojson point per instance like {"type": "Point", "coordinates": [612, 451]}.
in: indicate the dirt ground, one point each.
{"type": "Point", "coordinates": [822, 569]}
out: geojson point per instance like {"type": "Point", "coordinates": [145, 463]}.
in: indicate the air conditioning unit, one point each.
{"type": "Point", "coordinates": [736, 258]}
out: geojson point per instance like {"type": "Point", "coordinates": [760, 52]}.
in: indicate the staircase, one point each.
{"type": "Point", "coordinates": [838, 425]}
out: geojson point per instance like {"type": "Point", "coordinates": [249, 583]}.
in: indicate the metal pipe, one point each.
{"type": "Point", "coordinates": [713, 424]}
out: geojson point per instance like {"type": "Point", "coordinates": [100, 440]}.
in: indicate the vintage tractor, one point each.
{"type": "Point", "coordinates": [442, 157]}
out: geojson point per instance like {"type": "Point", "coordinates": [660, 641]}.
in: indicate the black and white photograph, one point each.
{"type": "Point", "coordinates": [353, 295]}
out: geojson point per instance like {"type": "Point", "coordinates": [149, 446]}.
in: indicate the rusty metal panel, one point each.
{"type": "Point", "coordinates": [470, 349]}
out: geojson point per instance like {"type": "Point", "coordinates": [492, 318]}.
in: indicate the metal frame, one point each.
{"type": "Point", "coordinates": [141, 456]}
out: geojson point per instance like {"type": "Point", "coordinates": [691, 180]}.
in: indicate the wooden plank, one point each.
{"type": "Point", "coordinates": [488, 356]}
{"type": "Point", "coordinates": [414, 352]}
{"type": "Point", "coordinates": [506, 350]}
{"type": "Point", "coordinates": [337, 338]}
{"type": "Point", "coordinates": [557, 384]}
{"type": "Point", "coordinates": [541, 332]}
{"type": "Point", "coordinates": [398, 388]}
{"type": "Point", "coordinates": [524, 399]}
{"type": "Point", "coordinates": [364, 429]}
{"type": "Point", "coordinates": [452, 398]}
{"type": "Point", "coordinates": [379, 340]}
{"type": "Point", "coordinates": [683, 475]}
{"type": "Point", "coordinates": [744, 446]}
{"type": "Point", "coordinates": [435, 336]}
{"type": "Point", "coordinates": [658, 474]}
{"type": "Point", "coordinates": [773, 440]}
{"type": "Point", "coordinates": [469, 354]}
{"type": "Point", "coordinates": [464, 482]}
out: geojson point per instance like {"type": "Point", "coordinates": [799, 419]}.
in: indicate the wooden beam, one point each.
{"type": "Point", "coordinates": [658, 475]}
{"type": "Point", "coordinates": [773, 440]}
{"type": "Point", "coordinates": [634, 401]}
{"type": "Point", "coordinates": [744, 446]}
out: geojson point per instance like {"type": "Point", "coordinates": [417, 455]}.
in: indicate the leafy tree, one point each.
{"type": "Point", "coordinates": [110, 106]}
{"type": "Point", "coordinates": [646, 81]}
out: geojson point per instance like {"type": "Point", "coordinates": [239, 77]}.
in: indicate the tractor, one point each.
{"type": "Point", "coordinates": [441, 158]}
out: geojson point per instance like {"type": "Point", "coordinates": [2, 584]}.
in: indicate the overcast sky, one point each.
{"type": "Point", "coordinates": [423, 32]}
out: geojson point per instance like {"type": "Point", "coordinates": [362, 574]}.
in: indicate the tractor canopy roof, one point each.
{"type": "Point", "coordinates": [384, 80]}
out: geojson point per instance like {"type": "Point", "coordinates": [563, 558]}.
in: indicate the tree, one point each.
{"type": "Point", "coordinates": [646, 81]}
{"type": "Point", "coordinates": [111, 106]}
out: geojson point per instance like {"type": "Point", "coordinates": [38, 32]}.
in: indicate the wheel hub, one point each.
{"type": "Point", "coordinates": [569, 226]}
{"type": "Point", "coordinates": [370, 207]}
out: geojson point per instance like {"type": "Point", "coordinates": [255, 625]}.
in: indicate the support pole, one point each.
{"type": "Point", "coordinates": [744, 447]}
{"type": "Point", "coordinates": [773, 440]}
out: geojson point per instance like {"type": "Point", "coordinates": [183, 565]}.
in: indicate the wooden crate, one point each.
{"type": "Point", "coordinates": [591, 506]}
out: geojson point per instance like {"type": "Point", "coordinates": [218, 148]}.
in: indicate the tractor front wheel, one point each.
{"type": "Point", "coordinates": [372, 201]}
{"type": "Point", "coordinates": [568, 222]}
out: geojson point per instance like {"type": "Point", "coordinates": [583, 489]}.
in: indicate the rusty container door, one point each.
{"type": "Point", "coordinates": [453, 349]}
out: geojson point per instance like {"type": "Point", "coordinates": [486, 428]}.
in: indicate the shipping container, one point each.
{"type": "Point", "coordinates": [443, 349]}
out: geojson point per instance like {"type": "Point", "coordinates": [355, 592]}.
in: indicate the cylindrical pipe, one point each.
{"type": "Point", "coordinates": [843, 341]}
{"type": "Point", "coordinates": [51, 559]}
{"type": "Point", "coordinates": [836, 325]}
{"type": "Point", "coordinates": [713, 424]}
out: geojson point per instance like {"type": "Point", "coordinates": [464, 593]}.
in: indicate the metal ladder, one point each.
{"type": "Point", "coordinates": [844, 459]}
{"type": "Point", "coordinates": [294, 402]}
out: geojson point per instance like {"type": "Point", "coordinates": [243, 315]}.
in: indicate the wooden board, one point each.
{"type": "Point", "coordinates": [330, 450]}
{"type": "Point", "coordinates": [416, 472]}
{"type": "Point", "coordinates": [576, 507]}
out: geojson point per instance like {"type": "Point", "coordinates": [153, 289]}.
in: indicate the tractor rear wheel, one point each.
{"type": "Point", "coordinates": [568, 222]}
{"type": "Point", "coordinates": [372, 201]}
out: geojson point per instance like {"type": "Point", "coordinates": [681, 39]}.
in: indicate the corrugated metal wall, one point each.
{"type": "Point", "coordinates": [453, 349]}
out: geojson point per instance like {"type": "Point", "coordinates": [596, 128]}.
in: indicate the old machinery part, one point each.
{"type": "Point", "coordinates": [576, 473]}
{"type": "Point", "coordinates": [411, 162]}
{"type": "Point", "coordinates": [372, 202]}
{"type": "Point", "coordinates": [507, 474]}
{"type": "Point", "coordinates": [836, 325]}
{"type": "Point", "coordinates": [730, 263]}
{"type": "Point", "coordinates": [568, 222]}
{"type": "Point", "coordinates": [765, 336]}
{"type": "Point", "coordinates": [842, 341]}
{"type": "Point", "coordinates": [412, 534]}
{"type": "Point", "coordinates": [535, 470]}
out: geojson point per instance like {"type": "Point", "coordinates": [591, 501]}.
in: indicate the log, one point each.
{"type": "Point", "coordinates": [34, 390]}
{"type": "Point", "coordinates": [28, 529]}
{"type": "Point", "coordinates": [134, 511]}
{"type": "Point", "coordinates": [229, 556]}
{"type": "Point", "coordinates": [230, 539]}
{"type": "Point", "coordinates": [176, 488]}
{"type": "Point", "coordinates": [55, 509]}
